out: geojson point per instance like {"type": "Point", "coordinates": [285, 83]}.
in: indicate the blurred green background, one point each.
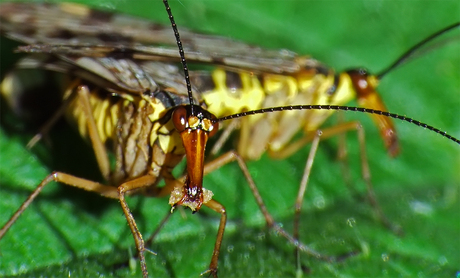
{"type": "Point", "coordinates": [66, 232]}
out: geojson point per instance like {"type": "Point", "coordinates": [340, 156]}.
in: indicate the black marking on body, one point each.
{"type": "Point", "coordinates": [233, 80]}
{"type": "Point", "coordinates": [333, 89]}
{"type": "Point", "coordinates": [168, 99]}
{"type": "Point", "coordinates": [320, 69]}
{"type": "Point", "coordinates": [202, 82]}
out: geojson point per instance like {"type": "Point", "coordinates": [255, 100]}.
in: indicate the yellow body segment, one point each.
{"type": "Point", "coordinates": [222, 101]}
{"type": "Point", "coordinates": [272, 131]}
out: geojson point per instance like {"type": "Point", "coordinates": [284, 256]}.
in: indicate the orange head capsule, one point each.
{"type": "Point", "coordinates": [364, 85]}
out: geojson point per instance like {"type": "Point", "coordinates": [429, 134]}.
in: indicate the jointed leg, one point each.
{"type": "Point", "coordinates": [340, 130]}
{"type": "Point", "coordinates": [96, 142]}
{"type": "Point", "coordinates": [217, 207]}
{"type": "Point", "coordinates": [233, 156]}
{"type": "Point", "coordinates": [224, 137]}
{"type": "Point", "coordinates": [82, 93]}
{"type": "Point", "coordinates": [135, 184]}
{"type": "Point", "coordinates": [302, 190]}
{"type": "Point", "coordinates": [334, 131]}
{"type": "Point", "coordinates": [149, 241]}
{"type": "Point", "coordinates": [104, 190]}
{"type": "Point", "coordinates": [69, 96]}
{"type": "Point", "coordinates": [366, 174]}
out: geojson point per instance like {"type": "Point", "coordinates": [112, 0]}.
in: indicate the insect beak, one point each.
{"type": "Point", "coordinates": [194, 143]}
{"type": "Point", "coordinates": [192, 194]}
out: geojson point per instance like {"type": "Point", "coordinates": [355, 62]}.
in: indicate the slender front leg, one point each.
{"type": "Point", "coordinates": [301, 193]}
{"type": "Point", "coordinates": [228, 130]}
{"type": "Point", "coordinates": [103, 190]}
{"type": "Point", "coordinates": [366, 173]}
{"type": "Point", "coordinates": [126, 187]}
{"type": "Point", "coordinates": [217, 207]}
{"type": "Point", "coordinates": [233, 156]}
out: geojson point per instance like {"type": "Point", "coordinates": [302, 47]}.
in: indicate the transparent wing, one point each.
{"type": "Point", "coordinates": [71, 29]}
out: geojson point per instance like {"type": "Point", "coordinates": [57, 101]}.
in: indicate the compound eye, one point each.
{"type": "Point", "coordinates": [214, 128]}
{"type": "Point", "coordinates": [179, 118]}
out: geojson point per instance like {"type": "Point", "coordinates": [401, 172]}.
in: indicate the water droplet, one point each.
{"type": "Point", "coordinates": [385, 257]}
{"type": "Point", "coordinates": [351, 222]}
{"type": "Point", "coordinates": [443, 261]}
{"type": "Point", "coordinates": [261, 236]}
{"type": "Point", "coordinates": [230, 248]}
{"type": "Point", "coordinates": [319, 202]}
{"type": "Point", "coordinates": [421, 208]}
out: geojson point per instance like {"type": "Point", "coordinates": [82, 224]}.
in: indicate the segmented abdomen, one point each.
{"type": "Point", "coordinates": [228, 92]}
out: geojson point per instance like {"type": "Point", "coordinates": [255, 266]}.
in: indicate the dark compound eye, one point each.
{"type": "Point", "coordinates": [214, 128]}
{"type": "Point", "coordinates": [179, 118]}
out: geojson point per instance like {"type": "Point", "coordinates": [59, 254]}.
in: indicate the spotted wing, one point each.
{"type": "Point", "coordinates": [78, 31]}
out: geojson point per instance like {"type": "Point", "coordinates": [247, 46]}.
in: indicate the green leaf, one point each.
{"type": "Point", "coordinates": [66, 232]}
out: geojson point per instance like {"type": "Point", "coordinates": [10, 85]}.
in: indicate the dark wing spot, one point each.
{"type": "Point", "coordinates": [156, 27]}
{"type": "Point", "coordinates": [321, 69]}
{"type": "Point", "coordinates": [121, 53]}
{"type": "Point", "coordinates": [62, 34]}
{"type": "Point", "coordinates": [333, 89]}
{"type": "Point", "coordinates": [233, 80]}
{"type": "Point", "coordinates": [114, 37]}
{"type": "Point", "coordinates": [218, 60]}
{"type": "Point", "coordinates": [203, 82]}
{"type": "Point", "coordinates": [28, 31]}
{"type": "Point", "coordinates": [169, 99]}
{"type": "Point", "coordinates": [100, 16]}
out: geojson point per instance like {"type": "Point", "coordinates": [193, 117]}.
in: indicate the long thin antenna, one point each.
{"type": "Point", "coordinates": [182, 56]}
{"type": "Point", "coordinates": [343, 108]}
{"type": "Point", "coordinates": [403, 58]}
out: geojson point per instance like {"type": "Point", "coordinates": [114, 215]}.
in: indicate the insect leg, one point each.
{"type": "Point", "coordinates": [96, 142]}
{"type": "Point", "coordinates": [104, 190]}
{"type": "Point", "coordinates": [124, 188]}
{"type": "Point", "coordinates": [103, 162]}
{"type": "Point", "coordinates": [152, 191]}
{"type": "Point", "coordinates": [302, 190]}
{"type": "Point", "coordinates": [233, 156]}
{"type": "Point", "coordinates": [219, 208]}
{"type": "Point", "coordinates": [228, 130]}
{"type": "Point", "coordinates": [82, 93]}
{"type": "Point", "coordinates": [69, 95]}
{"type": "Point", "coordinates": [342, 154]}
{"type": "Point", "coordinates": [140, 182]}
{"type": "Point", "coordinates": [314, 139]}
{"type": "Point", "coordinates": [149, 241]}
{"type": "Point", "coordinates": [366, 175]}
{"type": "Point", "coordinates": [365, 170]}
